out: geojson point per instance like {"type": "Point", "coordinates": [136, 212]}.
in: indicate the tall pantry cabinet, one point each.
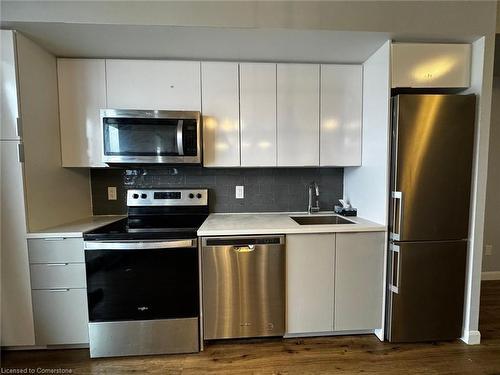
{"type": "Point", "coordinates": [17, 311]}
{"type": "Point", "coordinates": [36, 192]}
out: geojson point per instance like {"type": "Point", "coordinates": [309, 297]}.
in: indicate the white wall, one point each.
{"type": "Point", "coordinates": [366, 187]}
{"type": "Point", "coordinates": [481, 83]}
{"type": "Point", "coordinates": [54, 195]}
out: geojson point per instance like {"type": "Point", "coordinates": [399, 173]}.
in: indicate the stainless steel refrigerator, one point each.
{"type": "Point", "coordinates": [431, 168]}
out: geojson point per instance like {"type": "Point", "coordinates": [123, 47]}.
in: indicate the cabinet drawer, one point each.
{"type": "Point", "coordinates": [60, 250]}
{"type": "Point", "coordinates": [61, 316]}
{"type": "Point", "coordinates": [57, 275]}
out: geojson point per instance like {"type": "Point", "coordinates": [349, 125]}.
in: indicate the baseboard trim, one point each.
{"type": "Point", "coordinates": [328, 333]}
{"type": "Point", "coordinates": [471, 337]}
{"type": "Point", "coordinates": [379, 333]}
{"type": "Point", "coordinates": [46, 347]}
{"type": "Point", "coordinates": [491, 275]}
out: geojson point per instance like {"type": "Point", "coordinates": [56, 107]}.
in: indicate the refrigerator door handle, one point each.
{"type": "Point", "coordinates": [397, 196]}
{"type": "Point", "coordinates": [396, 267]}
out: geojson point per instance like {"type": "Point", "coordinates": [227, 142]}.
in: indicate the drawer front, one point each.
{"type": "Point", "coordinates": [61, 316]}
{"type": "Point", "coordinates": [57, 250]}
{"type": "Point", "coordinates": [58, 275]}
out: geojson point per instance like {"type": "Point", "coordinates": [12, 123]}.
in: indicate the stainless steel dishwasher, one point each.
{"type": "Point", "coordinates": [243, 286]}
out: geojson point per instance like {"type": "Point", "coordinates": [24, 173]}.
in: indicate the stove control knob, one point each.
{"type": "Point", "coordinates": [144, 196]}
{"type": "Point", "coordinates": [135, 196]}
{"type": "Point", "coordinates": [198, 196]}
{"type": "Point", "coordinates": [191, 195]}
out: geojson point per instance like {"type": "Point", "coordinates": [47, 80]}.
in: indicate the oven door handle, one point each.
{"type": "Point", "coordinates": [139, 245]}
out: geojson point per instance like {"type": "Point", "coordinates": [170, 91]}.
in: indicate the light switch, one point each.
{"type": "Point", "coordinates": [111, 193]}
{"type": "Point", "coordinates": [240, 192]}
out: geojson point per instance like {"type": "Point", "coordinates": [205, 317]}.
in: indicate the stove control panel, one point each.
{"type": "Point", "coordinates": [167, 197]}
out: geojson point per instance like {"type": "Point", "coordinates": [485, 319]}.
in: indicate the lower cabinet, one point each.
{"type": "Point", "coordinates": [59, 291]}
{"type": "Point", "coordinates": [359, 284]}
{"type": "Point", "coordinates": [334, 282]}
{"type": "Point", "coordinates": [310, 282]}
{"type": "Point", "coordinates": [61, 316]}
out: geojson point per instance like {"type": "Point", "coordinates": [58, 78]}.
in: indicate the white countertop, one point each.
{"type": "Point", "coordinates": [278, 223]}
{"type": "Point", "coordinates": [75, 228]}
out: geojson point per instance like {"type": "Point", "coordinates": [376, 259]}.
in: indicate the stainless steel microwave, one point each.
{"type": "Point", "coordinates": [151, 137]}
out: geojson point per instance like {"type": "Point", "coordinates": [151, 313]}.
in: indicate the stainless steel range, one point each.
{"type": "Point", "coordinates": [143, 276]}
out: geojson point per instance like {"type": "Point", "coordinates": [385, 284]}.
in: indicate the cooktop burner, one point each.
{"type": "Point", "coordinates": [156, 214]}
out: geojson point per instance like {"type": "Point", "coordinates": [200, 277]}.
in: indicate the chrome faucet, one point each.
{"type": "Point", "coordinates": [313, 198]}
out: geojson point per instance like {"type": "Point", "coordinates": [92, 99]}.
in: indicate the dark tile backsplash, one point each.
{"type": "Point", "coordinates": [266, 189]}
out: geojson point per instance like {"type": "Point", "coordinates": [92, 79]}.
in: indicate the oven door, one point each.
{"type": "Point", "coordinates": [146, 280]}
{"type": "Point", "coordinates": [151, 137]}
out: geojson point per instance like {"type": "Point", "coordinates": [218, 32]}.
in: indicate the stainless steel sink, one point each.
{"type": "Point", "coordinates": [318, 220]}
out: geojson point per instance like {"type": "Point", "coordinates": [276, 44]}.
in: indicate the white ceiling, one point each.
{"type": "Point", "coordinates": [207, 43]}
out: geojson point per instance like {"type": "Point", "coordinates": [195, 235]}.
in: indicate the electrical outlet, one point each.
{"type": "Point", "coordinates": [240, 192]}
{"type": "Point", "coordinates": [488, 249]}
{"type": "Point", "coordinates": [111, 193]}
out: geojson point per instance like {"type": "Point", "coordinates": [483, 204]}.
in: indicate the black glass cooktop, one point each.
{"type": "Point", "coordinates": [149, 227]}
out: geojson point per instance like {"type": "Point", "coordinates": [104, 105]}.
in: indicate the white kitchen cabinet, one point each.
{"type": "Point", "coordinates": [82, 94]}
{"type": "Point", "coordinates": [61, 316]}
{"type": "Point", "coordinates": [310, 283]}
{"type": "Point", "coordinates": [258, 114]}
{"type": "Point", "coordinates": [430, 65]}
{"type": "Point", "coordinates": [153, 84]}
{"type": "Point", "coordinates": [298, 114]}
{"type": "Point", "coordinates": [58, 283]}
{"type": "Point", "coordinates": [58, 275]}
{"type": "Point", "coordinates": [341, 114]}
{"type": "Point", "coordinates": [16, 304]}
{"type": "Point", "coordinates": [220, 103]}
{"type": "Point", "coordinates": [9, 104]}
{"type": "Point", "coordinates": [359, 269]}
{"type": "Point", "coordinates": [56, 250]}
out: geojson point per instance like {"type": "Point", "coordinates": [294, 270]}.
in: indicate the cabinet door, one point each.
{"type": "Point", "coordinates": [258, 115]}
{"type": "Point", "coordinates": [56, 250]}
{"type": "Point", "coordinates": [58, 275]}
{"type": "Point", "coordinates": [17, 311]}
{"type": "Point", "coordinates": [149, 84]}
{"type": "Point", "coordinates": [220, 103]}
{"type": "Point", "coordinates": [82, 94]}
{"type": "Point", "coordinates": [359, 269]}
{"type": "Point", "coordinates": [8, 95]}
{"type": "Point", "coordinates": [341, 111]}
{"type": "Point", "coordinates": [425, 65]}
{"type": "Point", "coordinates": [61, 316]}
{"type": "Point", "coordinates": [298, 114]}
{"type": "Point", "coordinates": [310, 282]}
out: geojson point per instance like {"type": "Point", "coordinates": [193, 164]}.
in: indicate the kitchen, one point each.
{"type": "Point", "coordinates": [239, 172]}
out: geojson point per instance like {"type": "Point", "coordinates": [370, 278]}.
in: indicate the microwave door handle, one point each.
{"type": "Point", "coordinates": [180, 147]}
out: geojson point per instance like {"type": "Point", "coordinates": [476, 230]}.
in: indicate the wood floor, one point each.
{"type": "Point", "coordinates": [340, 355]}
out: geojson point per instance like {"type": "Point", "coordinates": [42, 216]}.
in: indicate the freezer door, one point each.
{"type": "Point", "coordinates": [432, 143]}
{"type": "Point", "coordinates": [426, 291]}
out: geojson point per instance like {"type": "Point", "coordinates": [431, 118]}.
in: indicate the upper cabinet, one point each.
{"type": "Point", "coordinates": [9, 107]}
{"type": "Point", "coordinates": [258, 114]}
{"type": "Point", "coordinates": [82, 94]}
{"type": "Point", "coordinates": [254, 114]}
{"type": "Point", "coordinates": [153, 84]}
{"type": "Point", "coordinates": [341, 113]}
{"type": "Point", "coordinates": [221, 130]}
{"type": "Point", "coordinates": [431, 65]}
{"type": "Point", "coordinates": [298, 114]}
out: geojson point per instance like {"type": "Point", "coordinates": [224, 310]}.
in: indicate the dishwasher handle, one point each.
{"type": "Point", "coordinates": [244, 249]}
{"type": "Point", "coordinates": [244, 241]}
